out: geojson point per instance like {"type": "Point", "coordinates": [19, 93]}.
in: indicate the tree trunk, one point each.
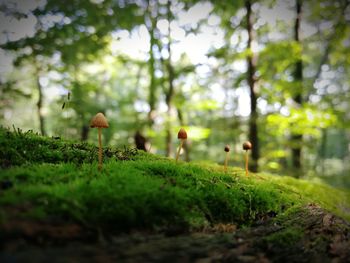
{"type": "Point", "coordinates": [85, 129]}
{"type": "Point", "coordinates": [39, 103]}
{"type": "Point", "coordinates": [323, 151]}
{"type": "Point", "coordinates": [151, 63]}
{"type": "Point", "coordinates": [298, 98]}
{"type": "Point", "coordinates": [170, 93]}
{"type": "Point", "coordinates": [140, 141]}
{"type": "Point", "coordinates": [252, 82]}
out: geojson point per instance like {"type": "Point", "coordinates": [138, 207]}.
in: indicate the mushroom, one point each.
{"type": "Point", "coordinates": [227, 150]}
{"type": "Point", "coordinates": [99, 121]}
{"type": "Point", "coordinates": [246, 146]}
{"type": "Point", "coordinates": [182, 136]}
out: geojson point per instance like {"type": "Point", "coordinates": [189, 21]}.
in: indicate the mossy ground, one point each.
{"type": "Point", "coordinates": [49, 180]}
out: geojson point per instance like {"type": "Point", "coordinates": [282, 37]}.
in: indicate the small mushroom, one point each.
{"type": "Point", "coordinates": [227, 150]}
{"type": "Point", "coordinates": [99, 121]}
{"type": "Point", "coordinates": [246, 146]}
{"type": "Point", "coordinates": [182, 136]}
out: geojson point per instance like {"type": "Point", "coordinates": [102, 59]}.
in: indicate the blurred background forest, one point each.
{"type": "Point", "coordinates": [275, 72]}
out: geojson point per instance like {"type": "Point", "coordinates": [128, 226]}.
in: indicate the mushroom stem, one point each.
{"type": "Point", "coordinates": [246, 162]}
{"type": "Point", "coordinates": [226, 160]}
{"type": "Point", "coordinates": [178, 151]}
{"type": "Point", "coordinates": [99, 149]}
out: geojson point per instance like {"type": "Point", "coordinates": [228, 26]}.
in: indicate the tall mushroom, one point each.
{"type": "Point", "coordinates": [99, 121]}
{"type": "Point", "coordinates": [227, 150]}
{"type": "Point", "coordinates": [246, 146]}
{"type": "Point", "coordinates": [182, 136]}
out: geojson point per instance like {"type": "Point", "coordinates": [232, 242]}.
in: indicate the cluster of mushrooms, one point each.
{"type": "Point", "coordinates": [182, 136]}
{"type": "Point", "coordinates": [99, 121]}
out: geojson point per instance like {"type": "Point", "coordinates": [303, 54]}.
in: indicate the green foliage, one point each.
{"type": "Point", "coordinates": [307, 121]}
{"type": "Point", "coordinates": [81, 32]}
{"type": "Point", "coordinates": [281, 56]}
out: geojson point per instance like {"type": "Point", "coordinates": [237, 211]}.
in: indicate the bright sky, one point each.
{"type": "Point", "coordinates": [195, 46]}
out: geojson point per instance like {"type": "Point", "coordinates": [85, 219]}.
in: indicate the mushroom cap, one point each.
{"type": "Point", "coordinates": [182, 134]}
{"type": "Point", "coordinates": [247, 145]}
{"type": "Point", "coordinates": [227, 148]}
{"type": "Point", "coordinates": [99, 121]}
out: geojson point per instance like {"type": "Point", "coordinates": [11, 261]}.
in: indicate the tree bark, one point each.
{"type": "Point", "coordinates": [85, 130]}
{"type": "Point", "coordinates": [140, 141]}
{"type": "Point", "coordinates": [39, 103]}
{"type": "Point", "coordinates": [151, 63]}
{"type": "Point", "coordinates": [297, 138]}
{"type": "Point", "coordinates": [253, 89]}
{"type": "Point", "coordinates": [322, 152]}
{"type": "Point", "coordinates": [170, 93]}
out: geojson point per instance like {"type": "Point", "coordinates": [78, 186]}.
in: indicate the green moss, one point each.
{"type": "Point", "coordinates": [19, 148]}
{"type": "Point", "coordinates": [285, 238]}
{"type": "Point", "coordinates": [139, 194]}
{"type": "Point", "coordinates": [35, 213]}
{"type": "Point", "coordinates": [137, 190]}
{"type": "Point", "coordinates": [334, 200]}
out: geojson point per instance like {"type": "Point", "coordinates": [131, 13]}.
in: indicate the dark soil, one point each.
{"type": "Point", "coordinates": [308, 235]}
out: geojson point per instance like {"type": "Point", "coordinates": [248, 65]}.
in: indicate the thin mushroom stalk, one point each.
{"type": "Point", "coordinates": [226, 160]}
{"type": "Point", "coordinates": [246, 146]}
{"type": "Point", "coordinates": [227, 150]}
{"type": "Point", "coordinates": [246, 163]}
{"type": "Point", "coordinates": [182, 136]}
{"type": "Point", "coordinates": [99, 121]}
{"type": "Point", "coordinates": [179, 150]}
{"type": "Point", "coordinates": [99, 149]}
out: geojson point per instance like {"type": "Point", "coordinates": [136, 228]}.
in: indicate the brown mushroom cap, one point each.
{"type": "Point", "coordinates": [247, 145]}
{"type": "Point", "coordinates": [99, 121]}
{"type": "Point", "coordinates": [227, 148]}
{"type": "Point", "coordinates": [182, 134]}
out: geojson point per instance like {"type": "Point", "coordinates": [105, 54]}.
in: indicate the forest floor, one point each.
{"type": "Point", "coordinates": [56, 207]}
{"type": "Point", "coordinates": [311, 235]}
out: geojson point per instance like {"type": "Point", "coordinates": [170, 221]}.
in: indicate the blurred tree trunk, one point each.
{"type": "Point", "coordinates": [298, 97]}
{"type": "Point", "coordinates": [151, 63]}
{"type": "Point", "coordinates": [322, 152]}
{"type": "Point", "coordinates": [170, 92]}
{"type": "Point", "coordinates": [140, 141]}
{"type": "Point", "coordinates": [253, 88]}
{"type": "Point", "coordinates": [85, 128]}
{"type": "Point", "coordinates": [84, 135]}
{"type": "Point", "coordinates": [77, 95]}
{"type": "Point", "coordinates": [39, 103]}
